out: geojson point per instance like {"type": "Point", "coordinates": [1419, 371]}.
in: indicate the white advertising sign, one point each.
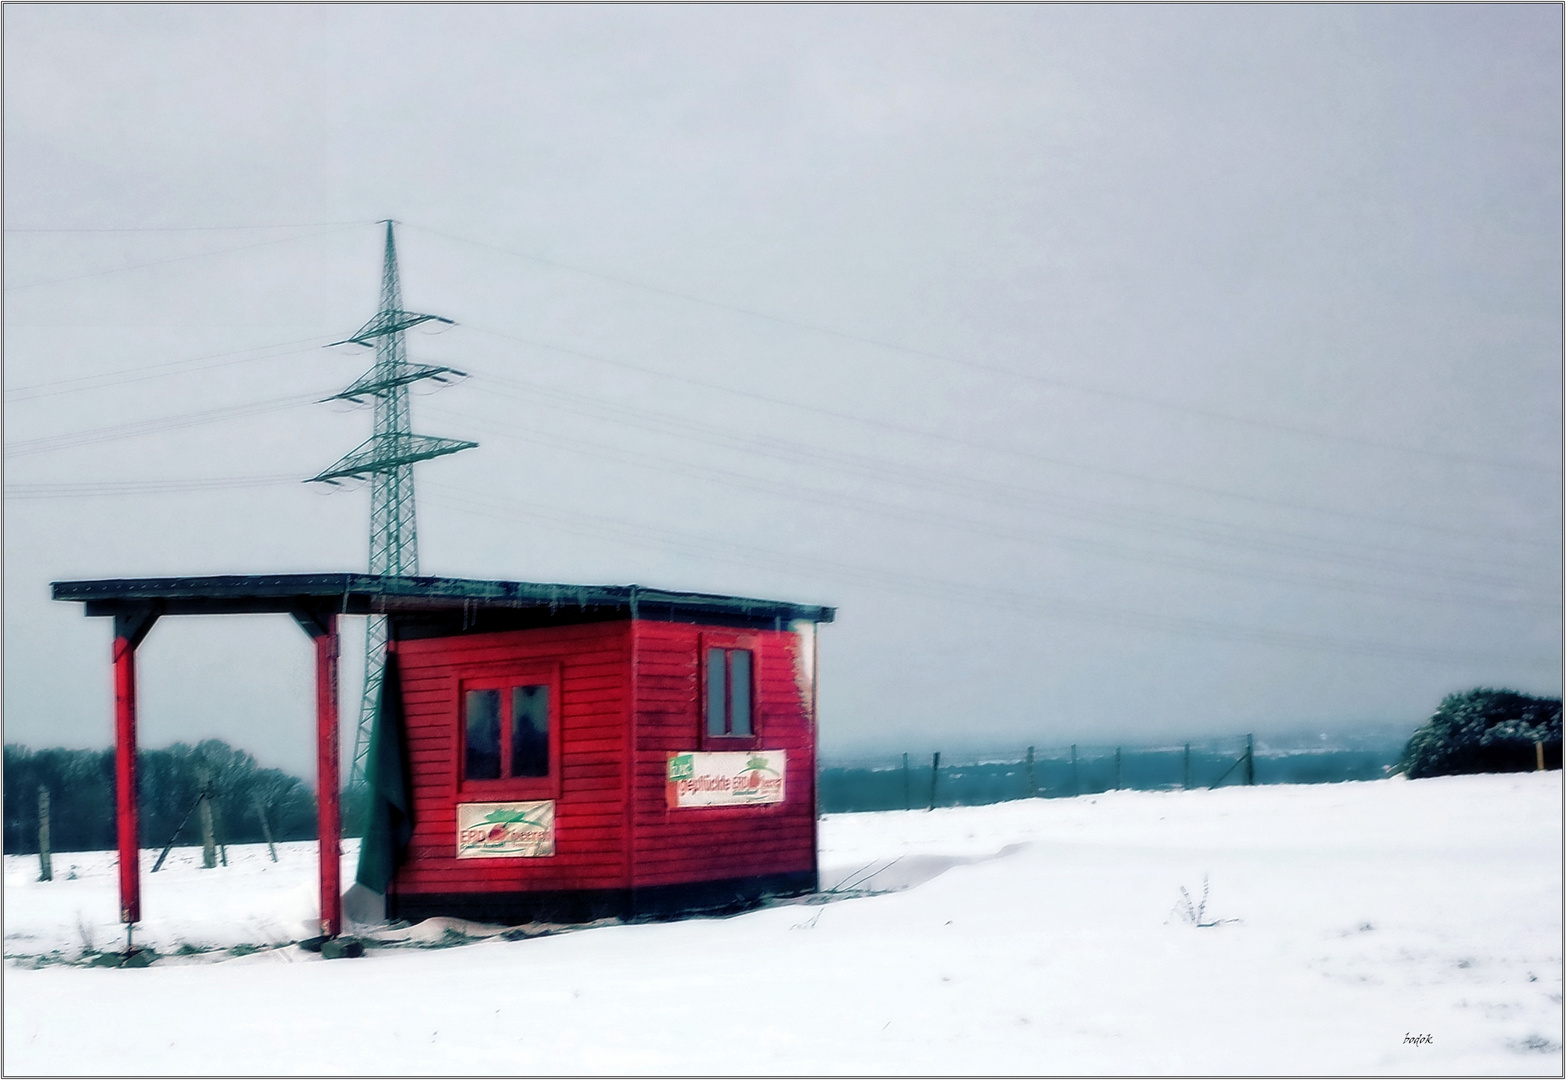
{"type": "Point", "coordinates": [746, 778]}
{"type": "Point", "coordinates": [507, 830]}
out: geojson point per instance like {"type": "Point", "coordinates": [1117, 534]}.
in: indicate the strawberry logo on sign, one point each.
{"type": "Point", "coordinates": [505, 830]}
{"type": "Point", "coordinates": [753, 770]}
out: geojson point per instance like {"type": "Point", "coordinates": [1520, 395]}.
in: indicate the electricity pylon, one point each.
{"type": "Point", "coordinates": [386, 460]}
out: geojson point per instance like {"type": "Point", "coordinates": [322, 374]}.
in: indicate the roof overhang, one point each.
{"type": "Point", "coordinates": [370, 594]}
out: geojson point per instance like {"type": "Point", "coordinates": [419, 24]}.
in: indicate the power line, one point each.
{"type": "Point", "coordinates": [122, 376]}
{"type": "Point", "coordinates": [787, 321]}
{"type": "Point", "coordinates": [964, 485]}
{"type": "Point", "coordinates": [187, 228]}
{"type": "Point", "coordinates": [174, 259]}
{"type": "Point", "coordinates": [484, 504]}
{"type": "Point", "coordinates": [40, 390]}
{"type": "Point", "coordinates": [1018, 452]}
{"type": "Point", "coordinates": [994, 369]}
{"type": "Point", "coordinates": [51, 443]}
{"type": "Point", "coordinates": [1045, 538]}
{"type": "Point", "coordinates": [122, 431]}
{"type": "Point", "coordinates": [1305, 546]}
{"type": "Point", "coordinates": [967, 486]}
{"type": "Point", "coordinates": [595, 408]}
{"type": "Point", "coordinates": [119, 488]}
{"type": "Point", "coordinates": [885, 425]}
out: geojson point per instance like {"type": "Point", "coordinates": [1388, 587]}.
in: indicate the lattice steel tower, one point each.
{"type": "Point", "coordinates": [386, 461]}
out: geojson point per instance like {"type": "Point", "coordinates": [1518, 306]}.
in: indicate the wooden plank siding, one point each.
{"type": "Point", "coordinates": [594, 716]}
{"type": "Point", "coordinates": [629, 696]}
{"type": "Point", "coordinates": [679, 845]}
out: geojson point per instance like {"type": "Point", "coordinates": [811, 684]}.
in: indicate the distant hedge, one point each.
{"type": "Point", "coordinates": [1485, 730]}
{"type": "Point", "coordinates": [81, 785]}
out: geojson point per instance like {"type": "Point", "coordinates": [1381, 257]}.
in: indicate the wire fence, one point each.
{"type": "Point", "coordinates": [1062, 772]}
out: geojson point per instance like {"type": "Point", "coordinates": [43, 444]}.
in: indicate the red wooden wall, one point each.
{"type": "Point", "coordinates": [594, 710]}
{"type": "Point", "coordinates": [613, 827]}
{"type": "Point", "coordinates": [678, 845]}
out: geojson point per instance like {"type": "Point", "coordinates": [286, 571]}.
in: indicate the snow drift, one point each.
{"type": "Point", "coordinates": [1381, 927]}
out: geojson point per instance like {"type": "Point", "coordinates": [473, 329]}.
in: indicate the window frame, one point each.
{"type": "Point", "coordinates": [733, 642]}
{"type": "Point", "coordinates": [508, 788]}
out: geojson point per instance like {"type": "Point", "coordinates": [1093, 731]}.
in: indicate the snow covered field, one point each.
{"type": "Point", "coordinates": [1028, 937]}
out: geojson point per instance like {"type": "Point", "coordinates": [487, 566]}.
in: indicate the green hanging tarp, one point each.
{"type": "Point", "coordinates": [389, 823]}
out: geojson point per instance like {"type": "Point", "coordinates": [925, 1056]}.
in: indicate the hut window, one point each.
{"type": "Point", "coordinates": [530, 731]}
{"type": "Point", "coordinates": [728, 692]}
{"type": "Point", "coordinates": [507, 732]}
{"type": "Point", "coordinates": [483, 726]}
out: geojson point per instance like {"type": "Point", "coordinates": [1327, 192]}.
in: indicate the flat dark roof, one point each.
{"type": "Point", "coordinates": [370, 594]}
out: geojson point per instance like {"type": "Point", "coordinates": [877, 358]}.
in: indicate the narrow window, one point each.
{"type": "Point", "coordinates": [530, 731]}
{"type": "Point", "coordinates": [728, 692]}
{"type": "Point", "coordinates": [483, 735]}
{"type": "Point", "coordinates": [717, 692]}
{"type": "Point", "coordinates": [739, 692]}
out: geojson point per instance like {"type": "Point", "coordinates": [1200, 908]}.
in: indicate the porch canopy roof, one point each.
{"type": "Point", "coordinates": [416, 606]}
{"type": "Point", "coordinates": [370, 594]}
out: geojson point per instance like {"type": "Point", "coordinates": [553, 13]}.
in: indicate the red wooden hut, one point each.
{"type": "Point", "coordinates": [569, 751]}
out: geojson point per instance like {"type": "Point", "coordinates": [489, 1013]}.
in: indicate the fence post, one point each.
{"type": "Point", "coordinates": [204, 810]}
{"type": "Point", "coordinates": [907, 787]}
{"type": "Point", "coordinates": [1187, 786]}
{"type": "Point", "coordinates": [935, 773]}
{"type": "Point", "coordinates": [1250, 761]}
{"type": "Point", "coordinates": [1033, 788]}
{"type": "Point", "coordinates": [266, 830]}
{"type": "Point", "coordinates": [1076, 786]}
{"type": "Point", "coordinates": [217, 831]}
{"type": "Point", "coordinates": [1117, 768]}
{"type": "Point", "coordinates": [45, 867]}
{"type": "Point", "coordinates": [1538, 756]}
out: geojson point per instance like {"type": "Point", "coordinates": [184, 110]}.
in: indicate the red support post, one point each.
{"type": "Point", "coordinates": [328, 781]}
{"type": "Point", "coordinates": [126, 816]}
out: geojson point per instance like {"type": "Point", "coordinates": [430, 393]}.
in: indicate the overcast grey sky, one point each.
{"type": "Point", "coordinates": [1120, 373]}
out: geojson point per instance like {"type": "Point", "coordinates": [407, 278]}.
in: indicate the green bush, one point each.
{"type": "Point", "coordinates": [1485, 730]}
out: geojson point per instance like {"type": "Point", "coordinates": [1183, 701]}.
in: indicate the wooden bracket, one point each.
{"type": "Point", "coordinates": [132, 623]}
{"type": "Point", "coordinates": [314, 621]}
